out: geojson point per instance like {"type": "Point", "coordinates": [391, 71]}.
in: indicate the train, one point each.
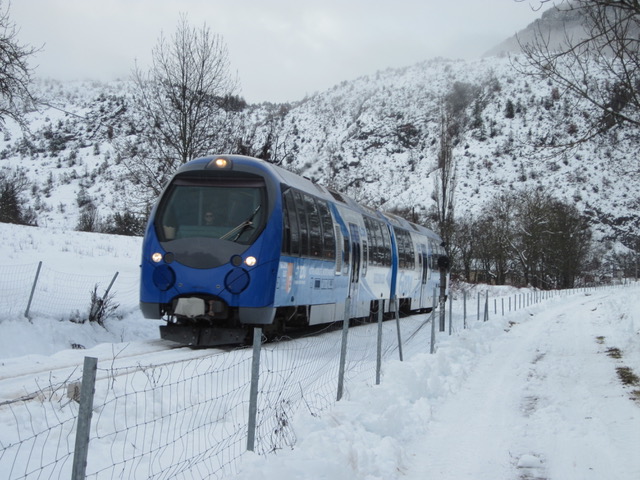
{"type": "Point", "coordinates": [235, 242]}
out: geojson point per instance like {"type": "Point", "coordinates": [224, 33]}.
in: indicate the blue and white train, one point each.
{"type": "Point", "coordinates": [234, 242]}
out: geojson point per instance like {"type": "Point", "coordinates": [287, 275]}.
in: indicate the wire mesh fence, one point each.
{"type": "Point", "coordinates": [188, 418]}
{"type": "Point", "coordinates": [32, 290]}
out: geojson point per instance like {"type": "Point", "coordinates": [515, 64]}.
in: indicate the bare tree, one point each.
{"type": "Point", "coordinates": [182, 100]}
{"type": "Point", "coordinates": [600, 66]}
{"type": "Point", "coordinates": [445, 178]}
{"type": "Point", "coordinates": [15, 74]}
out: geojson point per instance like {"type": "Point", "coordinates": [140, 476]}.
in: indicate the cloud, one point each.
{"type": "Point", "coordinates": [282, 49]}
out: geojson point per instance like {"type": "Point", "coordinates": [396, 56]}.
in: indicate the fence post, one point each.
{"type": "Point", "coordinates": [83, 428]}
{"type": "Point", "coordinates": [450, 314]}
{"type": "Point", "coordinates": [433, 324]}
{"type": "Point", "coordinates": [95, 308]}
{"type": "Point", "coordinates": [379, 346]}
{"type": "Point", "coordinates": [486, 306]}
{"type": "Point", "coordinates": [464, 307]}
{"type": "Point", "coordinates": [33, 289]}
{"type": "Point", "coordinates": [397, 306]}
{"type": "Point", "coordinates": [106, 292]}
{"type": "Point", "coordinates": [253, 393]}
{"type": "Point", "coordinates": [478, 307]}
{"type": "Point", "coordinates": [343, 349]}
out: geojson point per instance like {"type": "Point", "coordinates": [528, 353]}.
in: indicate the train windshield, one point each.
{"type": "Point", "coordinates": [227, 209]}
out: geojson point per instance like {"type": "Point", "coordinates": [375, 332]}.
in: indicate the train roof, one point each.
{"type": "Point", "coordinates": [304, 184]}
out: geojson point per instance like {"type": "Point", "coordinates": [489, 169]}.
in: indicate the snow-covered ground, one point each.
{"type": "Point", "coordinates": [529, 395]}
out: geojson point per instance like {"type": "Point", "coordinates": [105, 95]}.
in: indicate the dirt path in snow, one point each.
{"type": "Point", "coordinates": [544, 404]}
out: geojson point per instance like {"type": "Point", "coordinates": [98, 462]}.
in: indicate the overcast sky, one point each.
{"type": "Point", "coordinates": [280, 49]}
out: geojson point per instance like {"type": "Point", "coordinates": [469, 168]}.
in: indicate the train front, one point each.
{"type": "Point", "coordinates": [211, 250]}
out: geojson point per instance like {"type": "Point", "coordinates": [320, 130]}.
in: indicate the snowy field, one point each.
{"type": "Point", "coordinates": [532, 394]}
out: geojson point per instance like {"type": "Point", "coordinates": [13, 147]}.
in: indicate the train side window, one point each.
{"type": "Point", "coordinates": [369, 226]}
{"type": "Point", "coordinates": [406, 251]}
{"type": "Point", "coordinates": [286, 229]}
{"type": "Point", "coordinates": [346, 248]}
{"type": "Point", "coordinates": [411, 261]}
{"type": "Point", "coordinates": [315, 227]}
{"type": "Point", "coordinates": [292, 228]}
{"type": "Point", "coordinates": [339, 254]}
{"type": "Point", "coordinates": [303, 224]}
{"type": "Point", "coordinates": [378, 250]}
{"type": "Point", "coordinates": [328, 238]}
{"type": "Point", "coordinates": [365, 256]}
{"type": "Point", "coordinates": [386, 240]}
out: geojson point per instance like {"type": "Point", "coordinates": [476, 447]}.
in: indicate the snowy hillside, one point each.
{"type": "Point", "coordinates": [375, 138]}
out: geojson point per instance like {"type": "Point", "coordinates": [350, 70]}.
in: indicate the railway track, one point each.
{"type": "Point", "coordinates": [30, 377]}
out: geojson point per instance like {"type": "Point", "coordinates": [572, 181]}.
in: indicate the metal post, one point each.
{"type": "Point", "coordinates": [450, 315]}
{"type": "Point", "coordinates": [104, 297]}
{"type": "Point", "coordinates": [478, 306]}
{"type": "Point", "coordinates": [379, 352]}
{"type": "Point", "coordinates": [443, 293]}
{"type": "Point", "coordinates": [95, 308]}
{"type": "Point", "coordinates": [343, 349]}
{"type": "Point", "coordinates": [433, 324]}
{"type": "Point", "coordinates": [33, 289]}
{"type": "Point", "coordinates": [83, 428]}
{"type": "Point", "coordinates": [253, 393]}
{"type": "Point", "coordinates": [486, 306]}
{"type": "Point", "coordinates": [464, 307]}
{"type": "Point", "coordinates": [397, 306]}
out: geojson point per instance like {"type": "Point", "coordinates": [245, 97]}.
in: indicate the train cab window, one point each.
{"type": "Point", "coordinates": [232, 209]}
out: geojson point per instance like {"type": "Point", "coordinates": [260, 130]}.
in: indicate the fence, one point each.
{"type": "Point", "coordinates": [194, 417]}
{"type": "Point", "coordinates": [38, 290]}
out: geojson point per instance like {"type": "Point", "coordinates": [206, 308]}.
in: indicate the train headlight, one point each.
{"type": "Point", "coordinates": [219, 163]}
{"type": "Point", "coordinates": [250, 261]}
{"type": "Point", "coordinates": [156, 257]}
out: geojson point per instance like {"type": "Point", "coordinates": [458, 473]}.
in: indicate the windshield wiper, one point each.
{"type": "Point", "coordinates": [239, 229]}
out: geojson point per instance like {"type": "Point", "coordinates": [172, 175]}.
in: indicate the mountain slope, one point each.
{"type": "Point", "coordinates": [375, 138]}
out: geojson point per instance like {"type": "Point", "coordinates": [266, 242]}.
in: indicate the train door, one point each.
{"type": "Point", "coordinates": [424, 276]}
{"type": "Point", "coordinates": [356, 257]}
